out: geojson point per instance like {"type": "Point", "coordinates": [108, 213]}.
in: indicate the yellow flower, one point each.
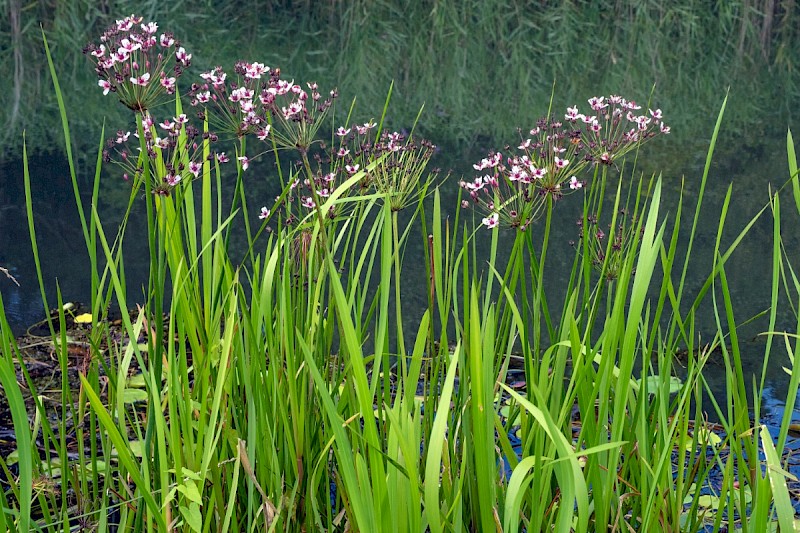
{"type": "Point", "coordinates": [85, 318]}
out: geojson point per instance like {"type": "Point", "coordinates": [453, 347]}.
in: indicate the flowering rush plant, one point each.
{"type": "Point", "coordinates": [254, 100]}
{"type": "Point", "coordinates": [174, 147]}
{"type": "Point", "coordinates": [137, 63]}
{"type": "Point", "coordinates": [401, 164]}
{"type": "Point", "coordinates": [514, 189]}
{"type": "Point", "coordinates": [402, 161]}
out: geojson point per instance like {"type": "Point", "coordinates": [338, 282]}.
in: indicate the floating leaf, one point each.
{"type": "Point", "coordinates": [134, 395]}
{"type": "Point", "coordinates": [654, 382]}
{"type": "Point", "coordinates": [136, 381]}
{"type": "Point", "coordinates": [708, 501]}
{"type": "Point", "coordinates": [705, 437]}
{"type": "Point", "coordinates": [708, 437]}
{"type": "Point", "coordinates": [85, 318]}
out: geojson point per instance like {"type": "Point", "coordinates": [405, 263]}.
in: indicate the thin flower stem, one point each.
{"type": "Point", "coordinates": [539, 295]}
{"type": "Point", "coordinates": [401, 349]}
{"type": "Point", "coordinates": [315, 196]}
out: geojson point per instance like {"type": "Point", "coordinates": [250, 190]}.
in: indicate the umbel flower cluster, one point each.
{"type": "Point", "coordinates": [512, 190]}
{"type": "Point", "coordinates": [173, 147]}
{"type": "Point", "coordinates": [139, 65]}
{"type": "Point", "coordinates": [255, 98]}
{"type": "Point", "coordinates": [394, 166]}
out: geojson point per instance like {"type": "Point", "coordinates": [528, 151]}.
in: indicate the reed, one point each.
{"type": "Point", "coordinates": [454, 57]}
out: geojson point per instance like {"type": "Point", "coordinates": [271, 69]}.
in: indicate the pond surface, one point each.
{"type": "Point", "coordinates": [752, 169]}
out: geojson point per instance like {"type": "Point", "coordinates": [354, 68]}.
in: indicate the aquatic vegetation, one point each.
{"type": "Point", "coordinates": [517, 189]}
{"type": "Point", "coordinates": [289, 389]}
{"type": "Point", "coordinates": [135, 63]}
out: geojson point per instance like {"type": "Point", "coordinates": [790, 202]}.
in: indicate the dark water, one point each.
{"type": "Point", "coordinates": [751, 167]}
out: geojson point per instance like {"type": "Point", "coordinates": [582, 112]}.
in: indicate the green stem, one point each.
{"type": "Point", "coordinates": [539, 295]}
{"type": "Point", "coordinates": [401, 348]}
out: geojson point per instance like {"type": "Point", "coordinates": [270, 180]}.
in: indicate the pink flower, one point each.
{"type": "Point", "coordinates": [307, 202]}
{"type": "Point", "coordinates": [127, 23]}
{"type": "Point", "coordinates": [168, 83]}
{"type": "Point", "coordinates": [572, 114]}
{"type": "Point", "coordinates": [352, 169]}
{"type": "Point", "coordinates": [263, 133]}
{"type": "Point", "coordinates": [597, 103]}
{"type": "Point", "coordinates": [166, 40]}
{"type": "Point", "coordinates": [284, 86]}
{"type": "Point", "coordinates": [561, 163]}
{"type": "Point", "coordinates": [293, 109]}
{"type": "Point", "coordinates": [517, 173]}
{"type": "Point", "coordinates": [105, 84]}
{"type": "Point", "coordinates": [172, 179]}
{"type": "Point", "coordinates": [194, 168]}
{"type": "Point", "coordinates": [341, 132]}
{"type": "Point", "coordinates": [574, 184]}
{"type": "Point", "coordinates": [255, 70]}
{"type": "Point", "coordinates": [182, 56]}
{"type": "Point", "coordinates": [129, 46]}
{"type": "Point", "coordinates": [492, 221]}
{"type": "Point", "coordinates": [240, 93]}
{"type": "Point", "coordinates": [475, 185]}
{"type": "Point", "coordinates": [141, 80]}
{"type": "Point", "coordinates": [222, 158]}
{"type": "Point", "coordinates": [264, 213]}
{"type": "Point", "coordinates": [245, 162]}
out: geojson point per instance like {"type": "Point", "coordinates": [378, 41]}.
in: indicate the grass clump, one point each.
{"type": "Point", "coordinates": [287, 392]}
